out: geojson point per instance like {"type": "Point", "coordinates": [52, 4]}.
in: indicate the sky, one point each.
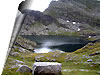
{"type": "Point", "coordinates": [40, 5]}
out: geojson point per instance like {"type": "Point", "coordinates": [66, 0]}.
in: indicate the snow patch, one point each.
{"type": "Point", "coordinates": [74, 22]}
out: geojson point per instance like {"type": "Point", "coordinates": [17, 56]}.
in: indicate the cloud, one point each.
{"type": "Point", "coordinates": [40, 5]}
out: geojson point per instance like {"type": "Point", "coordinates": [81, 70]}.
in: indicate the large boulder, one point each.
{"type": "Point", "coordinates": [46, 68]}
{"type": "Point", "coordinates": [24, 69]}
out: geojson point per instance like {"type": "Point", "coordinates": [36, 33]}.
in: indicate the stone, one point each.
{"type": "Point", "coordinates": [89, 60]}
{"type": "Point", "coordinates": [96, 53]}
{"type": "Point", "coordinates": [37, 58]}
{"type": "Point", "coordinates": [55, 56]}
{"type": "Point", "coordinates": [87, 57]}
{"type": "Point", "coordinates": [24, 68]}
{"type": "Point", "coordinates": [90, 44]}
{"type": "Point", "coordinates": [48, 58]}
{"type": "Point", "coordinates": [13, 66]}
{"type": "Point", "coordinates": [98, 72]}
{"type": "Point", "coordinates": [84, 70]}
{"type": "Point", "coordinates": [14, 54]}
{"type": "Point", "coordinates": [53, 60]}
{"type": "Point", "coordinates": [17, 62]}
{"type": "Point", "coordinates": [46, 68]}
{"type": "Point", "coordinates": [22, 50]}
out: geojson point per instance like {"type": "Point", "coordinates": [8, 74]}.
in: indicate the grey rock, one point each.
{"type": "Point", "coordinates": [46, 68]}
{"type": "Point", "coordinates": [55, 56]}
{"type": "Point", "coordinates": [47, 58]}
{"type": "Point", "coordinates": [84, 70]}
{"type": "Point", "coordinates": [17, 61]}
{"type": "Point", "coordinates": [87, 57]}
{"type": "Point", "coordinates": [90, 44]}
{"type": "Point", "coordinates": [22, 50]}
{"type": "Point", "coordinates": [14, 54]}
{"type": "Point", "coordinates": [89, 60]}
{"type": "Point", "coordinates": [52, 27]}
{"type": "Point", "coordinates": [96, 53]}
{"type": "Point", "coordinates": [16, 64]}
{"type": "Point", "coordinates": [24, 68]}
{"type": "Point", "coordinates": [13, 66]}
{"type": "Point", "coordinates": [98, 72]}
{"type": "Point", "coordinates": [37, 58]}
{"type": "Point", "coordinates": [25, 43]}
{"type": "Point", "coordinates": [53, 60]}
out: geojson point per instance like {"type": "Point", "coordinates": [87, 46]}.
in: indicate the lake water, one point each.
{"type": "Point", "coordinates": [47, 43]}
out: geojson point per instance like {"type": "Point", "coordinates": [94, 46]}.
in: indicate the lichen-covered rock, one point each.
{"type": "Point", "coordinates": [25, 43]}
{"type": "Point", "coordinates": [96, 53]}
{"type": "Point", "coordinates": [15, 54]}
{"type": "Point", "coordinates": [46, 68]}
{"type": "Point", "coordinates": [24, 68]}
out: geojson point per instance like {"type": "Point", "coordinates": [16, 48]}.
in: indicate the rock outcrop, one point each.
{"type": "Point", "coordinates": [24, 69]}
{"type": "Point", "coordinates": [76, 10]}
{"type": "Point", "coordinates": [25, 43]}
{"type": "Point", "coordinates": [46, 68]}
{"type": "Point", "coordinates": [64, 17]}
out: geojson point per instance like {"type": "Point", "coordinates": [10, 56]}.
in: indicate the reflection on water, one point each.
{"type": "Point", "coordinates": [42, 50]}
{"type": "Point", "coordinates": [47, 43]}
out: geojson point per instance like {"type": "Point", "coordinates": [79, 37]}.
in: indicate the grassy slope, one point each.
{"type": "Point", "coordinates": [74, 63]}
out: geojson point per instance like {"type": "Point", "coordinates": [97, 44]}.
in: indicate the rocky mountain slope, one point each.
{"type": "Point", "coordinates": [86, 11]}
{"type": "Point", "coordinates": [64, 17]}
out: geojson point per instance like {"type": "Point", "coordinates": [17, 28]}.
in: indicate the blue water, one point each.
{"type": "Point", "coordinates": [53, 42]}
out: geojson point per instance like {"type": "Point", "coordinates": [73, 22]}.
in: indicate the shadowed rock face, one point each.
{"type": "Point", "coordinates": [39, 16]}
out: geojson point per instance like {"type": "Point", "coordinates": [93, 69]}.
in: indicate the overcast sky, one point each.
{"type": "Point", "coordinates": [40, 5]}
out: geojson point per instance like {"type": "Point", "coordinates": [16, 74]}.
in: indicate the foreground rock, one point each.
{"type": "Point", "coordinates": [89, 60]}
{"type": "Point", "coordinates": [46, 68]}
{"type": "Point", "coordinates": [24, 68]}
{"type": "Point", "coordinates": [96, 53]}
{"type": "Point", "coordinates": [15, 54]}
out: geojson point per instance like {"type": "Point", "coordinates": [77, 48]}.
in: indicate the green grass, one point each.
{"type": "Point", "coordinates": [69, 33]}
{"type": "Point", "coordinates": [74, 63]}
{"type": "Point", "coordinates": [52, 33]}
{"type": "Point", "coordinates": [90, 48]}
{"type": "Point", "coordinates": [64, 33]}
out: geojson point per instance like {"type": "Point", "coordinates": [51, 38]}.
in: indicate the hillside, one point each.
{"type": "Point", "coordinates": [64, 18]}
